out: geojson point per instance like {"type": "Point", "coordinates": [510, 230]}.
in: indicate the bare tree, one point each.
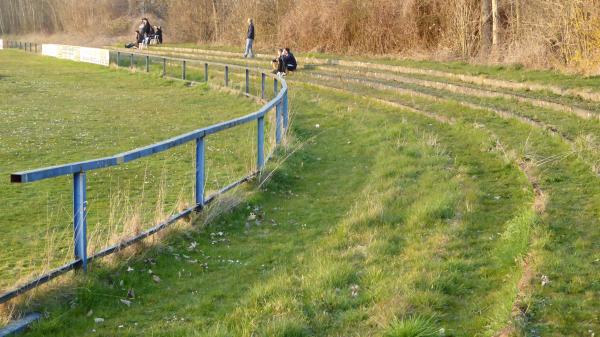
{"type": "Point", "coordinates": [495, 24]}
{"type": "Point", "coordinates": [486, 26]}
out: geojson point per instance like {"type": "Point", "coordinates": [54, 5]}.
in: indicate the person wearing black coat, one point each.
{"type": "Point", "coordinates": [141, 32]}
{"type": "Point", "coordinates": [158, 34]}
{"type": "Point", "coordinates": [249, 39]}
{"type": "Point", "coordinates": [288, 62]}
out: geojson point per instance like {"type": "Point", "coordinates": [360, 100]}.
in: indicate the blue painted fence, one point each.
{"type": "Point", "coordinates": [78, 170]}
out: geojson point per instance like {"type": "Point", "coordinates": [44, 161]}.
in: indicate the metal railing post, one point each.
{"type": "Point", "coordinates": [206, 72]}
{"type": "Point", "coordinates": [262, 85]}
{"type": "Point", "coordinates": [164, 67]}
{"type": "Point", "coordinates": [147, 63]}
{"type": "Point", "coordinates": [200, 172]}
{"type": "Point", "coordinates": [275, 87]}
{"type": "Point", "coordinates": [285, 111]}
{"type": "Point", "coordinates": [226, 76]}
{"type": "Point", "coordinates": [118, 58]}
{"type": "Point", "coordinates": [260, 160]}
{"type": "Point", "coordinates": [131, 61]}
{"type": "Point", "coordinates": [183, 70]}
{"type": "Point", "coordinates": [36, 48]}
{"type": "Point", "coordinates": [247, 81]}
{"type": "Point", "coordinates": [80, 218]}
{"type": "Point", "coordinates": [278, 123]}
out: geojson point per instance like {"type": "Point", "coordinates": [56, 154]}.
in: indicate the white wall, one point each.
{"type": "Point", "coordinates": [79, 54]}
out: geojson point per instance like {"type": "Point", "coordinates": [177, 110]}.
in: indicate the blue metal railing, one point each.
{"type": "Point", "coordinates": [78, 170]}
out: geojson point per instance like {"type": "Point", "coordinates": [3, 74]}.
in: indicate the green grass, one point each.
{"type": "Point", "coordinates": [56, 112]}
{"type": "Point", "coordinates": [513, 72]}
{"type": "Point", "coordinates": [579, 132]}
{"type": "Point", "coordinates": [567, 241]}
{"type": "Point", "coordinates": [372, 230]}
{"type": "Point", "coordinates": [383, 222]}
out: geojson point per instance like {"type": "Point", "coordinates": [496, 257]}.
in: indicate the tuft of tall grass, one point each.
{"type": "Point", "coordinates": [413, 326]}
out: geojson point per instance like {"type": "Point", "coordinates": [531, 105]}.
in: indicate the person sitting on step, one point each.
{"type": "Point", "coordinates": [276, 61]}
{"type": "Point", "coordinates": [288, 63]}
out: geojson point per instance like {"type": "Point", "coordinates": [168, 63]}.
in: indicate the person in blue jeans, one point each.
{"type": "Point", "coordinates": [249, 39]}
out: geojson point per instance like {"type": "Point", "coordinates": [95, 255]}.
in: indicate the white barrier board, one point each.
{"type": "Point", "coordinates": [79, 54]}
{"type": "Point", "coordinates": [95, 56]}
{"type": "Point", "coordinates": [1, 44]}
{"type": "Point", "coordinates": [50, 50]}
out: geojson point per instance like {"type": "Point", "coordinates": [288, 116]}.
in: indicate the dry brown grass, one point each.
{"type": "Point", "coordinates": [541, 33]}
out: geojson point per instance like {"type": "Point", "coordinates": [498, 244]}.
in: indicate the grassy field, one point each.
{"type": "Point", "coordinates": [515, 72]}
{"type": "Point", "coordinates": [56, 112]}
{"type": "Point", "coordinates": [406, 208]}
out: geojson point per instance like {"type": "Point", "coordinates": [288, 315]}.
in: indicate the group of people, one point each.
{"type": "Point", "coordinates": [282, 64]}
{"type": "Point", "coordinates": [285, 61]}
{"type": "Point", "coordinates": [146, 34]}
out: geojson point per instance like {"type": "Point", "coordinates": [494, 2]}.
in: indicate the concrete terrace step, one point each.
{"type": "Point", "coordinates": [586, 94]}
{"type": "Point", "coordinates": [378, 71]}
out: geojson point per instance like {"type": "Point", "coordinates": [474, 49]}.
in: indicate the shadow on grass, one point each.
{"type": "Point", "coordinates": [222, 261]}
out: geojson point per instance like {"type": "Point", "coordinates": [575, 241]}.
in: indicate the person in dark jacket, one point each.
{"type": "Point", "coordinates": [249, 39]}
{"type": "Point", "coordinates": [137, 41]}
{"type": "Point", "coordinates": [288, 62]}
{"type": "Point", "coordinates": [158, 34]}
{"type": "Point", "coordinates": [146, 33]}
{"type": "Point", "coordinates": [149, 29]}
{"type": "Point", "coordinates": [141, 32]}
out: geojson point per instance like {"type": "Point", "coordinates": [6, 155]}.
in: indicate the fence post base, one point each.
{"type": "Point", "coordinates": [278, 123]}
{"type": "Point", "coordinates": [260, 160]}
{"type": "Point", "coordinates": [200, 153]}
{"type": "Point", "coordinates": [80, 218]}
{"type": "Point", "coordinates": [285, 112]}
{"type": "Point", "coordinates": [247, 81]}
{"type": "Point", "coordinates": [262, 85]}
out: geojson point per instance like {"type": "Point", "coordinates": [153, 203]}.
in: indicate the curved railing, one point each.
{"type": "Point", "coordinates": [78, 170]}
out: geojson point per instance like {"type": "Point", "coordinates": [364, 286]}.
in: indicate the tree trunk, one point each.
{"type": "Point", "coordinates": [486, 26]}
{"type": "Point", "coordinates": [131, 7]}
{"type": "Point", "coordinates": [495, 23]}
{"type": "Point", "coordinates": [518, 17]}
{"type": "Point", "coordinates": [216, 22]}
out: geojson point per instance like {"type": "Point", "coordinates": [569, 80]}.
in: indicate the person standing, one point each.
{"type": "Point", "coordinates": [158, 34]}
{"type": "Point", "coordinates": [249, 39]}
{"type": "Point", "coordinates": [141, 33]}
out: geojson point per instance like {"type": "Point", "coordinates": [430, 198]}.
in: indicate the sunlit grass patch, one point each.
{"type": "Point", "coordinates": [55, 112]}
